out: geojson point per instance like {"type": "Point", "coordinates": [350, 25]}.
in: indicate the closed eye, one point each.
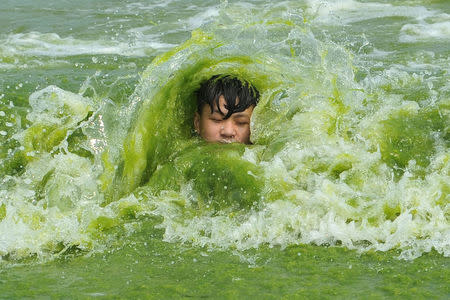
{"type": "Point", "coordinates": [216, 120]}
{"type": "Point", "coordinates": [242, 123]}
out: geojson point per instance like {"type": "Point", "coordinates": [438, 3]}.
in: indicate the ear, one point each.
{"type": "Point", "coordinates": [197, 122]}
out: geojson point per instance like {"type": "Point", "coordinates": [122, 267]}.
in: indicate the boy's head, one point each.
{"type": "Point", "coordinates": [224, 108]}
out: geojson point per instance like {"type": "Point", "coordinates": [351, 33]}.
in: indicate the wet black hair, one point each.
{"type": "Point", "coordinates": [232, 89]}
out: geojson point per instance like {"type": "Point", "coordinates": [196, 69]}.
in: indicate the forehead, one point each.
{"type": "Point", "coordinates": [222, 104]}
{"type": "Point", "coordinates": [206, 111]}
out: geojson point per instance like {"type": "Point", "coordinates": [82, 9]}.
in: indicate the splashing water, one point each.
{"type": "Point", "coordinates": [342, 154]}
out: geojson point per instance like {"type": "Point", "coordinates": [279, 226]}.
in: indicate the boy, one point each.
{"type": "Point", "coordinates": [224, 108]}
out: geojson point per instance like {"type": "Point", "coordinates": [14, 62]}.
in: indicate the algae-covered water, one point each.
{"type": "Point", "coordinates": [106, 191]}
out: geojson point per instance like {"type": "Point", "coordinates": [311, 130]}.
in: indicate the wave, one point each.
{"type": "Point", "coordinates": [51, 44]}
{"type": "Point", "coordinates": [411, 33]}
{"type": "Point", "coordinates": [334, 161]}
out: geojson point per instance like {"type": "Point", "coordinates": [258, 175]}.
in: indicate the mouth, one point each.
{"type": "Point", "coordinates": [228, 141]}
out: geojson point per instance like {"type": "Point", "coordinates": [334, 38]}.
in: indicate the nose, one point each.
{"type": "Point", "coordinates": [227, 129]}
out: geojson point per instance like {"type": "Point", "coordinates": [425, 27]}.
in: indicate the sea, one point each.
{"type": "Point", "coordinates": [107, 192]}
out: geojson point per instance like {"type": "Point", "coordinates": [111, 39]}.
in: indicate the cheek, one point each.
{"type": "Point", "coordinates": [244, 131]}
{"type": "Point", "coordinates": [209, 128]}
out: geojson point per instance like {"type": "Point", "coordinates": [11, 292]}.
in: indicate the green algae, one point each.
{"type": "Point", "coordinates": [2, 211]}
{"type": "Point", "coordinates": [222, 178]}
{"type": "Point", "coordinates": [410, 135]}
{"type": "Point", "coordinates": [336, 159]}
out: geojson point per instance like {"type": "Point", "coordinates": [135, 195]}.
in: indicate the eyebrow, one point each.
{"type": "Point", "coordinates": [240, 115]}
{"type": "Point", "coordinates": [235, 115]}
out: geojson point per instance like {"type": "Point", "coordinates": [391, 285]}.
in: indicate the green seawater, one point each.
{"type": "Point", "coordinates": [105, 190]}
{"type": "Point", "coordinates": [146, 267]}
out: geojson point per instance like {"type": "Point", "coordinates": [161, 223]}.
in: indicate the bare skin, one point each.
{"type": "Point", "coordinates": [212, 126]}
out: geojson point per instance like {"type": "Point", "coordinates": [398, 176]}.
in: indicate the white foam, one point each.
{"type": "Point", "coordinates": [51, 44]}
{"type": "Point", "coordinates": [411, 33]}
{"type": "Point", "coordinates": [349, 11]}
{"type": "Point", "coordinates": [321, 216]}
{"type": "Point", "coordinates": [137, 6]}
{"type": "Point", "coordinates": [202, 17]}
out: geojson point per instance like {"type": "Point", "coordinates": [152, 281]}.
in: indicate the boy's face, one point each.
{"type": "Point", "coordinates": [213, 128]}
